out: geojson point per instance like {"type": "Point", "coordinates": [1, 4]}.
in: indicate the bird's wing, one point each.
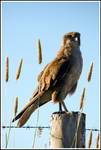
{"type": "Point", "coordinates": [52, 73]}
{"type": "Point", "coordinates": [55, 71]}
{"type": "Point", "coordinates": [28, 104]}
{"type": "Point", "coordinates": [31, 106]}
{"type": "Point", "coordinates": [41, 73]}
{"type": "Point", "coordinates": [32, 100]}
{"type": "Point", "coordinates": [38, 79]}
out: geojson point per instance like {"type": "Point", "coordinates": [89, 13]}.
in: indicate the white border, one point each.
{"type": "Point", "coordinates": [50, 1]}
{"type": "Point", "coordinates": [99, 73]}
{"type": "Point", "coordinates": [1, 58]}
{"type": "Point", "coordinates": [1, 74]}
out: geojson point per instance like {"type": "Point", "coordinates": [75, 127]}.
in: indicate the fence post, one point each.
{"type": "Point", "coordinates": [63, 128]}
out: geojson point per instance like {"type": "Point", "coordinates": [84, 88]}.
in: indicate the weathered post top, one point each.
{"type": "Point", "coordinates": [67, 130]}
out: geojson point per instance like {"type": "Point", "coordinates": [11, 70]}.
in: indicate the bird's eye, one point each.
{"type": "Point", "coordinates": [76, 39]}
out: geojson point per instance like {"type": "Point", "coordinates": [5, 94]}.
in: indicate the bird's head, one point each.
{"type": "Point", "coordinates": [71, 38]}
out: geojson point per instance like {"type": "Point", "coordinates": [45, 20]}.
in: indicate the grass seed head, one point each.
{"type": "Point", "coordinates": [6, 69]}
{"type": "Point", "coordinates": [19, 69]}
{"type": "Point", "coordinates": [39, 132]}
{"type": "Point", "coordinates": [39, 52]}
{"type": "Point", "coordinates": [90, 139]}
{"type": "Point", "coordinates": [97, 140]}
{"type": "Point", "coordinates": [82, 99]}
{"type": "Point", "coordinates": [90, 72]}
{"type": "Point", "coordinates": [15, 106]}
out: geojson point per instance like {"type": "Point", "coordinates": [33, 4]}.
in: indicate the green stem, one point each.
{"type": "Point", "coordinates": [10, 122]}
{"type": "Point", "coordinates": [36, 129]}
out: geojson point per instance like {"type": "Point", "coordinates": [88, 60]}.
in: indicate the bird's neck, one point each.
{"type": "Point", "coordinates": [64, 51]}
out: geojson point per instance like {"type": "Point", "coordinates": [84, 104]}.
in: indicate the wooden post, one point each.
{"type": "Point", "coordinates": [63, 127]}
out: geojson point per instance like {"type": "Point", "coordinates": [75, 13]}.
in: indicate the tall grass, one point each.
{"type": "Point", "coordinates": [19, 69]}
{"type": "Point", "coordinates": [35, 133]}
{"type": "Point", "coordinates": [90, 139]}
{"type": "Point", "coordinates": [17, 76]}
{"type": "Point", "coordinates": [81, 109]}
{"type": "Point", "coordinates": [6, 69]}
{"type": "Point", "coordinates": [81, 100]}
{"type": "Point", "coordinates": [39, 52]}
{"type": "Point", "coordinates": [39, 131]}
{"type": "Point", "coordinates": [15, 106]}
{"type": "Point", "coordinates": [97, 140]}
{"type": "Point", "coordinates": [6, 80]}
{"type": "Point", "coordinates": [74, 143]}
{"type": "Point", "coordinates": [90, 72]}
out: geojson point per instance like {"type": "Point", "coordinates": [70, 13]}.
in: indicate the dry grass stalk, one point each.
{"type": "Point", "coordinates": [19, 69]}
{"type": "Point", "coordinates": [82, 98]}
{"type": "Point", "coordinates": [6, 140]}
{"type": "Point", "coordinates": [6, 69]}
{"type": "Point", "coordinates": [90, 139]}
{"type": "Point", "coordinates": [15, 106]}
{"type": "Point", "coordinates": [39, 132]}
{"type": "Point", "coordinates": [97, 140]}
{"type": "Point", "coordinates": [90, 72]}
{"type": "Point", "coordinates": [39, 52]}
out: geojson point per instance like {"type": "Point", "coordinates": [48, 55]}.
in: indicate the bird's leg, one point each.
{"type": "Point", "coordinates": [64, 106]}
{"type": "Point", "coordinates": [60, 107]}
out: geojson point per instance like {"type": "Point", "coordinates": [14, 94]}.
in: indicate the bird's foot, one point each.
{"type": "Point", "coordinates": [60, 107]}
{"type": "Point", "coordinates": [64, 106]}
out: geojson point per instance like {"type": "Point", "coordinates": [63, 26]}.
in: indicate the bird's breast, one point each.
{"type": "Point", "coordinates": [73, 75]}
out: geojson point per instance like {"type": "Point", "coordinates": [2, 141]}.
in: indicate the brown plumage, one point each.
{"type": "Point", "coordinates": [58, 79]}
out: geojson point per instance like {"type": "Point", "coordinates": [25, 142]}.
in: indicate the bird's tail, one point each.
{"type": "Point", "coordinates": [31, 106]}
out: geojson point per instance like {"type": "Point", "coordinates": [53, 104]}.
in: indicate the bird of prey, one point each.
{"type": "Point", "coordinates": [58, 79]}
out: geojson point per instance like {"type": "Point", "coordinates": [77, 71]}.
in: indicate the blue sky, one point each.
{"type": "Point", "coordinates": [22, 24]}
